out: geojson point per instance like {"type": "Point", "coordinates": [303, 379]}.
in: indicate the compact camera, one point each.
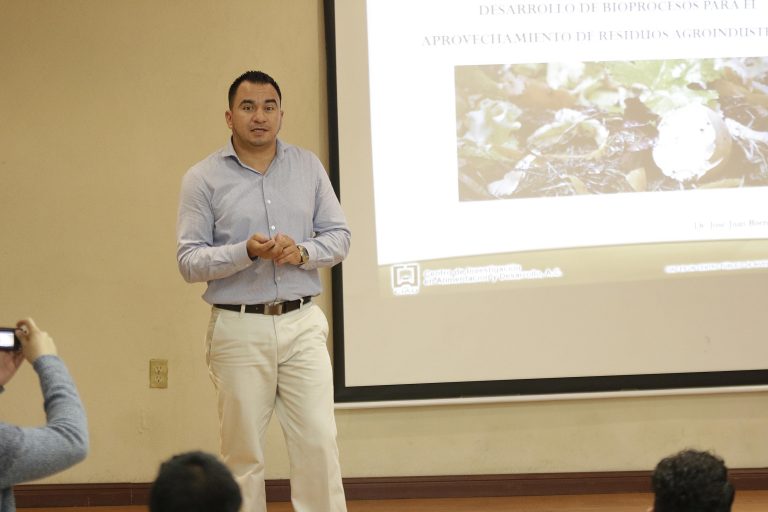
{"type": "Point", "coordinates": [8, 339]}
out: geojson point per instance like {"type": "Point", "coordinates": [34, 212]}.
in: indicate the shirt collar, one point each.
{"type": "Point", "coordinates": [229, 151]}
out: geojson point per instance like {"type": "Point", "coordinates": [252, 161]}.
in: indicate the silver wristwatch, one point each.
{"type": "Point", "coordinates": [303, 253]}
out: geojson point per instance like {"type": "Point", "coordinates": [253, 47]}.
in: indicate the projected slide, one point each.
{"type": "Point", "coordinates": [544, 190]}
{"type": "Point", "coordinates": [562, 103]}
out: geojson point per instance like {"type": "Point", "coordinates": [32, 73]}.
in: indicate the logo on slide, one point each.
{"type": "Point", "coordinates": [405, 279]}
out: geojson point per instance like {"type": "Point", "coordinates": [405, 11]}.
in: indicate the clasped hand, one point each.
{"type": "Point", "coordinates": [282, 249]}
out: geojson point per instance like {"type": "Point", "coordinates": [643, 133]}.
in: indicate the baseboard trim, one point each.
{"type": "Point", "coordinates": [375, 488]}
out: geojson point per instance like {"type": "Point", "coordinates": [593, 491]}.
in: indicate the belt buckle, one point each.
{"type": "Point", "coordinates": [275, 308]}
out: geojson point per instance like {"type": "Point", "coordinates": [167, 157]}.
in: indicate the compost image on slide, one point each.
{"type": "Point", "coordinates": [562, 129]}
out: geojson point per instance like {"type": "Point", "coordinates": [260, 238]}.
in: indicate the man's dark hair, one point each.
{"type": "Point", "coordinates": [194, 482]}
{"type": "Point", "coordinates": [255, 77]}
{"type": "Point", "coordinates": [692, 481]}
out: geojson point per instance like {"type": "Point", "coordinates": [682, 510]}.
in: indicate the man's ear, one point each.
{"type": "Point", "coordinates": [649, 509]}
{"type": "Point", "coordinates": [228, 118]}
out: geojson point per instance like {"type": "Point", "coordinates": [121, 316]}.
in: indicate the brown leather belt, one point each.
{"type": "Point", "coordinates": [276, 308]}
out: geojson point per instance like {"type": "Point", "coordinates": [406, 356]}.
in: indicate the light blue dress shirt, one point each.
{"type": "Point", "coordinates": [224, 202]}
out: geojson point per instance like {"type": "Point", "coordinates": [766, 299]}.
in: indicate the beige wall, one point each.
{"type": "Point", "coordinates": [103, 106]}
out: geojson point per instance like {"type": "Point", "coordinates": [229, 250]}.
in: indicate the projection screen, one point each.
{"type": "Point", "coordinates": [549, 197]}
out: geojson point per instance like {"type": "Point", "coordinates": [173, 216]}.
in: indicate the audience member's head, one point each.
{"type": "Point", "coordinates": [692, 481]}
{"type": "Point", "coordinates": [194, 482]}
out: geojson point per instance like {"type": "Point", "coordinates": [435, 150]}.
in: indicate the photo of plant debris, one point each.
{"type": "Point", "coordinates": [562, 129]}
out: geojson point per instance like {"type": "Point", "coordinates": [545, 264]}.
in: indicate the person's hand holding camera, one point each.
{"type": "Point", "coordinates": [34, 342]}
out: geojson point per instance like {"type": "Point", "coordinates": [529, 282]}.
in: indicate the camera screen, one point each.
{"type": "Point", "coordinates": [6, 338]}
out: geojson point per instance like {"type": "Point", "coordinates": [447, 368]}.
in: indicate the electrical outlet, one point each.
{"type": "Point", "coordinates": [158, 373]}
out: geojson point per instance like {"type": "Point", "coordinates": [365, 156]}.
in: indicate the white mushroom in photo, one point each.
{"type": "Point", "coordinates": [693, 141]}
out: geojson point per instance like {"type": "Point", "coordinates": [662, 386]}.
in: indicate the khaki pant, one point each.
{"type": "Point", "coordinates": [260, 364]}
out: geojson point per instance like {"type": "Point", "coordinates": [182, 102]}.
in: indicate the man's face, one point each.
{"type": "Point", "coordinates": [255, 117]}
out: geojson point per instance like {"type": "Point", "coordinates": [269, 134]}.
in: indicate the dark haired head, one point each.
{"type": "Point", "coordinates": [254, 77]}
{"type": "Point", "coordinates": [194, 482]}
{"type": "Point", "coordinates": [692, 481]}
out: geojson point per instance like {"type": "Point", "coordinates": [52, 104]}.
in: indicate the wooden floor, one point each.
{"type": "Point", "coordinates": [746, 501]}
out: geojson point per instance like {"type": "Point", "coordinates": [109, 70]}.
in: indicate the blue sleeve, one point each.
{"type": "Point", "coordinates": [198, 259]}
{"type": "Point", "coordinates": [330, 245]}
{"type": "Point", "coordinates": [32, 453]}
